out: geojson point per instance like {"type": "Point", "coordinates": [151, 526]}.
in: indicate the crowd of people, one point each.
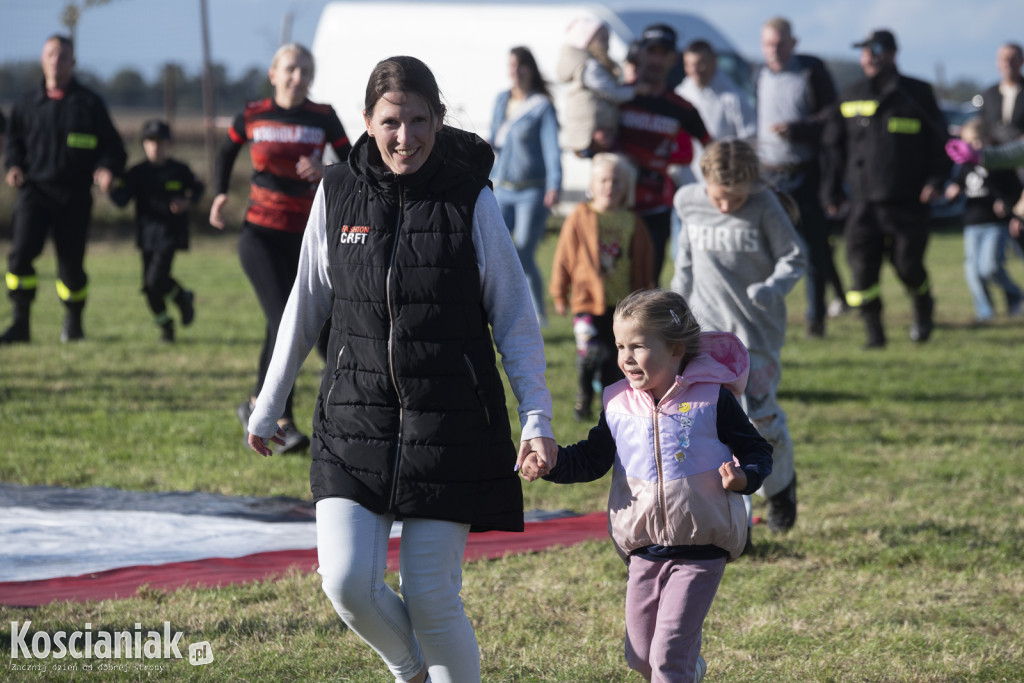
{"type": "Point", "coordinates": [411, 262]}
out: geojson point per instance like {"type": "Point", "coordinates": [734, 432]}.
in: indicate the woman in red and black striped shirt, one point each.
{"type": "Point", "coordinates": [287, 135]}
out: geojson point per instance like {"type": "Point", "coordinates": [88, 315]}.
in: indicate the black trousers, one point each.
{"type": "Point", "coordinates": [38, 211]}
{"type": "Point", "coordinates": [270, 259]}
{"type": "Point", "coordinates": [876, 230]}
{"type": "Point", "coordinates": [157, 282]}
{"type": "Point", "coordinates": [802, 184]}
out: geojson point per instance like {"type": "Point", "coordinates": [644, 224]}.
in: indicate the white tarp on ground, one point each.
{"type": "Point", "coordinates": [45, 544]}
{"type": "Point", "coordinates": [50, 532]}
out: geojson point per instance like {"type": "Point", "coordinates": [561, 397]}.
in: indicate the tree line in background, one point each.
{"type": "Point", "coordinates": [175, 91]}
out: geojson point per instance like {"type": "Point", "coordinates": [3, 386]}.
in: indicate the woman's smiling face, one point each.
{"type": "Point", "coordinates": [405, 129]}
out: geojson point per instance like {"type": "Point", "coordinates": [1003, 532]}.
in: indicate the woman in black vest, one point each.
{"type": "Point", "coordinates": [407, 255]}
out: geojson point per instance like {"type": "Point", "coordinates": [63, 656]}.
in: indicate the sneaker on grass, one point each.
{"type": "Point", "coordinates": [294, 440]}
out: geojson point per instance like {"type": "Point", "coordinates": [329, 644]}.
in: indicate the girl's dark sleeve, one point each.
{"type": "Point", "coordinates": [749, 447]}
{"type": "Point", "coordinates": [586, 460]}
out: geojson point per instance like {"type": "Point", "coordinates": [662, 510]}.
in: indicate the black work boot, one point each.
{"type": "Point", "coordinates": [782, 509]}
{"type": "Point", "coordinates": [18, 332]}
{"type": "Point", "coordinates": [185, 300]}
{"type": "Point", "coordinates": [871, 313]}
{"type": "Point", "coordinates": [72, 327]}
{"type": "Point", "coordinates": [167, 331]}
{"type": "Point", "coordinates": [921, 328]}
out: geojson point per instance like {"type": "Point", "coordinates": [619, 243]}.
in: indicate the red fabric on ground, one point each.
{"type": "Point", "coordinates": [220, 571]}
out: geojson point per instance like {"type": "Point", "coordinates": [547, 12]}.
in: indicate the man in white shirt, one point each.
{"type": "Point", "coordinates": [726, 110]}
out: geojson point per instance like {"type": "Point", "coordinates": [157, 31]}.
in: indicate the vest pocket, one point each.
{"type": "Point", "coordinates": [478, 389]}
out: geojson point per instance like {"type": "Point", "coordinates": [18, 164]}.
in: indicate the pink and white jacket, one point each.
{"type": "Point", "coordinates": [666, 489]}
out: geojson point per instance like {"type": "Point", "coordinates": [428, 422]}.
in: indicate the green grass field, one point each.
{"type": "Point", "coordinates": [905, 563]}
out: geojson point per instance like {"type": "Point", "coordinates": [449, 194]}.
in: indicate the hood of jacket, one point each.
{"type": "Point", "coordinates": [457, 157]}
{"type": "Point", "coordinates": [723, 359]}
{"type": "Point", "coordinates": [570, 61]}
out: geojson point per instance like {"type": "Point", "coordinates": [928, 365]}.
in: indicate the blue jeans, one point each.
{"type": "Point", "coordinates": [984, 256]}
{"type": "Point", "coordinates": [526, 217]}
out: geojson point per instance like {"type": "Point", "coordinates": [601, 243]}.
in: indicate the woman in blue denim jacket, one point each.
{"type": "Point", "coordinates": [527, 175]}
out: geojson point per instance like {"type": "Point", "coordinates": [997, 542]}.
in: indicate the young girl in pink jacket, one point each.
{"type": "Point", "coordinates": [682, 452]}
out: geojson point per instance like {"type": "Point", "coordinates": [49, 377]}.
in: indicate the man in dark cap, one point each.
{"type": "Point", "coordinates": [885, 146]}
{"type": "Point", "coordinates": [164, 189]}
{"type": "Point", "coordinates": [655, 129]}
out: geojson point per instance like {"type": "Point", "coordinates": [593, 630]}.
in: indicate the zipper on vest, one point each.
{"type": "Point", "coordinates": [479, 390]}
{"type": "Point", "coordinates": [391, 348]}
{"type": "Point", "coordinates": [661, 478]}
{"type": "Point", "coordinates": [337, 367]}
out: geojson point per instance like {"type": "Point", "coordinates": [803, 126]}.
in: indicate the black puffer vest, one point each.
{"type": "Point", "coordinates": [411, 418]}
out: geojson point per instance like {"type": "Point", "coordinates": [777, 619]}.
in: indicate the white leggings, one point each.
{"type": "Point", "coordinates": [430, 625]}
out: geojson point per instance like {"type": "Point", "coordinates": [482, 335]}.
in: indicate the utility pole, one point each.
{"type": "Point", "coordinates": [286, 27]}
{"type": "Point", "coordinates": [72, 12]}
{"type": "Point", "coordinates": [208, 114]}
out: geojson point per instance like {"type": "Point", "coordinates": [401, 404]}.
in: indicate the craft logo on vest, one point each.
{"type": "Point", "coordinates": [354, 234]}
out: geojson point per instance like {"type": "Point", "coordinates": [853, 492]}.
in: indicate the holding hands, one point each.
{"type": "Point", "coordinates": [537, 457]}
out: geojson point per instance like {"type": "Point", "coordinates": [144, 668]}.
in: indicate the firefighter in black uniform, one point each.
{"type": "Point", "coordinates": [60, 140]}
{"type": "Point", "coordinates": [884, 145]}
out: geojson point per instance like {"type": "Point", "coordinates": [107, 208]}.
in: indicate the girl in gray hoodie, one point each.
{"type": "Point", "coordinates": [739, 255]}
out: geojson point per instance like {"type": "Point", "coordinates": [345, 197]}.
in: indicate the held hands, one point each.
{"type": "Point", "coordinates": [962, 152]}
{"type": "Point", "coordinates": [733, 476]}
{"type": "Point", "coordinates": [537, 457]}
{"type": "Point", "coordinates": [259, 444]}
{"type": "Point", "coordinates": [532, 468]}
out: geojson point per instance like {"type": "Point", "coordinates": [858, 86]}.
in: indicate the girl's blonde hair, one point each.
{"type": "Point", "coordinates": [297, 49]}
{"type": "Point", "coordinates": [735, 162]}
{"type": "Point", "coordinates": [730, 163]}
{"type": "Point", "coordinates": [623, 168]}
{"type": "Point", "coordinates": [666, 314]}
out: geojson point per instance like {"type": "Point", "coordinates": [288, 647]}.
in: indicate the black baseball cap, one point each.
{"type": "Point", "coordinates": [156, 129]}
{"type": "Point", "coordinates": [881, 39]}
{"type": "Point", "coordinates": [659, 35]}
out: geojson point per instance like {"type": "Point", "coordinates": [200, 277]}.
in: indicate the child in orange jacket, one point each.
{"type": "Point", "coordinates": [604, 253]}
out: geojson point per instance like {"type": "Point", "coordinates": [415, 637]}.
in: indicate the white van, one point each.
{"type": "Point", "coordinates": [466, 45]}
